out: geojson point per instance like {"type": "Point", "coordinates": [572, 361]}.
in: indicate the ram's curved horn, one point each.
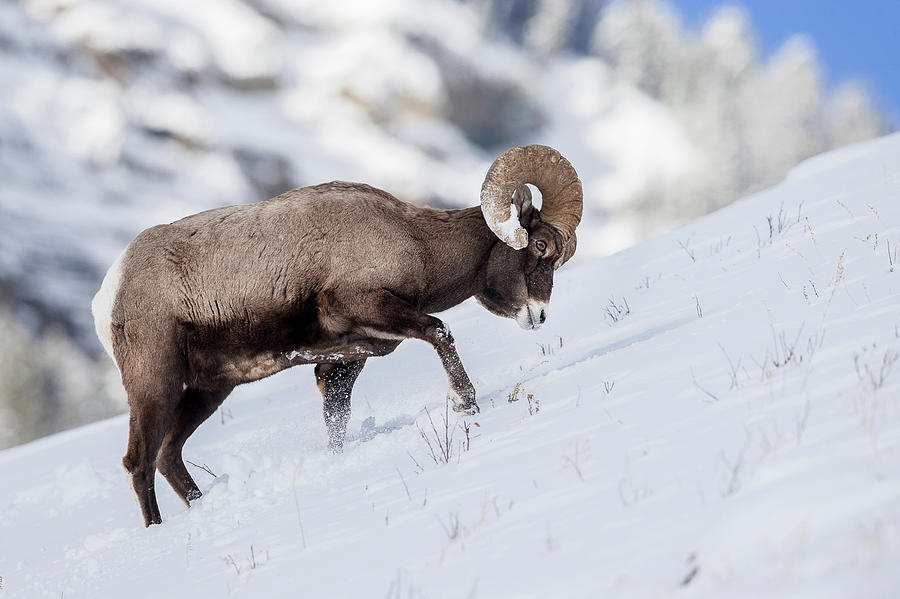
{"type": "Point", "coordinates": [546, 169]}
{"type": "Point", "coordinates": [568, 251]}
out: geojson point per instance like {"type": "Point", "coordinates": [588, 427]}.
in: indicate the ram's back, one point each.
{"type": "Point", "coordinates": [253, 263]}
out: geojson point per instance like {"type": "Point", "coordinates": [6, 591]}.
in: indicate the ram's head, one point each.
{"type": "Point", "coordinates": [519, 273]}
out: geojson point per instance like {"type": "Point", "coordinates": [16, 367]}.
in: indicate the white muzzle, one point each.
{"type": "Point", "coordinates": [533, 314]}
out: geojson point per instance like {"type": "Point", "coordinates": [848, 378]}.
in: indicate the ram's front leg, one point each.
{"type": "Point", "coordinates": [390, 317]}
{"type": "Point", "coordinates": [461, 391]}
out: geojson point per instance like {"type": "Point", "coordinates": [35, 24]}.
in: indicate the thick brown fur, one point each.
{"type": "Point", "coordinates": [328, 275]}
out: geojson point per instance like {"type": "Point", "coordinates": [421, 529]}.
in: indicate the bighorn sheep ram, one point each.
{"type": "Point", "coordinates": [329, 275]}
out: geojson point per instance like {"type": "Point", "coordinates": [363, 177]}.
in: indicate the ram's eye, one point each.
{"type": "Point", "coordinates": [540, 245]}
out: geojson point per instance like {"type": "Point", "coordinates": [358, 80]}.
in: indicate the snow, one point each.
{"type": "Point", "coordinates": [711, 413]}
{"type": "Point", "coordinates": [509, 227]}
{"type": "Point", "coordinates": [493, 207]}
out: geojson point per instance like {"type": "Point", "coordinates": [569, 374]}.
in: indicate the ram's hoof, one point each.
{"type": "Point", "coordinates": [465, 404]}
{"type": "Point", "coordinates": [471, 408]}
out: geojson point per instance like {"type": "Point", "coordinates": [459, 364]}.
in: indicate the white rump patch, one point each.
{"type": "Point", "coordinates": [103, 302]}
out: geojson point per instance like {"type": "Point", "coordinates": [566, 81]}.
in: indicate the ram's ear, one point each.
{"type": "Point", "coordinates": [522, 201]}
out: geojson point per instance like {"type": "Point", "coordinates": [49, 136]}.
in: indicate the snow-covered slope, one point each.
{"type": "Point", "coordinates": [119, 116]}
{"type": "Point", "coordinates": [712, 413]}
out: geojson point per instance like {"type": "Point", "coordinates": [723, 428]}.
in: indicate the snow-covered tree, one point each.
{"type": "Point", "coordinates": [852, 116]}
{"type": "Point", "coordinates": [750, 119]}
{"type": "Point", "coordinates": [551, 27]}
{"type": "Point", "coordinates": [642, 40]}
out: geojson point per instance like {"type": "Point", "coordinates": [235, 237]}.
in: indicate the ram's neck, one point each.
{"type": "Point", "coordinates": [459, 245]}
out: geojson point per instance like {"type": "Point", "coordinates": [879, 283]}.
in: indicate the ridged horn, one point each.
{"type": "Point", "coordinates": [546, 169]}
{"type": "Point", "coordinates": [568, 251]}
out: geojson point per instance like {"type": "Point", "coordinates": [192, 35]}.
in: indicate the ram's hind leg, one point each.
{"type": "Point", "coordinates": [195, 407]}
{"type": "Point", "coordinates": [151, 416]}
{"type": "Point", "coordinates": [336, 382]}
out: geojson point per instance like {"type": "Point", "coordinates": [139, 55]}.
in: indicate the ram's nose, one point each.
{"type": "Point", "coordinates": [532, 315]}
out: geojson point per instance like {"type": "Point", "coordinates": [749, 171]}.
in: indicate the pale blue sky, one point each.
{"type": "Point", "coordinates": [856, 39]}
